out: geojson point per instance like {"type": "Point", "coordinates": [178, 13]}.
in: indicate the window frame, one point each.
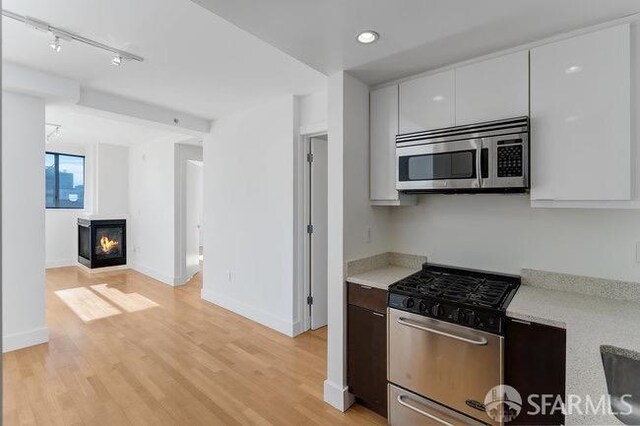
{"type": "Point", "coordinates": [56, 194]}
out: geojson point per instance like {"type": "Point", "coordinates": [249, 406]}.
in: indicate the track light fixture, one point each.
{"type": "Point", "coordinates": [55, 44]}
{"type": "Point", "coordinates": [57, 132]}
{"type": "Point", "coordinates": [60, 34]}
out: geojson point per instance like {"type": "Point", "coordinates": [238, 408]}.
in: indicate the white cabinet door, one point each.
{"type": "Point", "coordinates": [493, 89]}
{"type": "Point", "coordinates": [427, 102]}
{"type": "Point", "coordinates": [382, 144]}
{"type": "Point", "coordinates": [384, 128]}
{"type": "Point", "coordinates": [580, 118]}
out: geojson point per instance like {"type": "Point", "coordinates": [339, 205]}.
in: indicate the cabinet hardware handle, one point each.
{"type": "Point", "coordinates": [378, 314]}
{"type": "Point", "coordinates": [479, 163]}
{"type": "Point", "coordinates": [481, 342]}
{"type": "Point", "coordinates": [365, 287]}
{"type": "Point", "coordinates": [419, 411]}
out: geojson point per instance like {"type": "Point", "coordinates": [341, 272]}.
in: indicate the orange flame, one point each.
{"type": "Point", "coordinates": [107, 245]}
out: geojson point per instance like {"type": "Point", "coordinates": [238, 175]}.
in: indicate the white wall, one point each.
{"type": "Point", "coordinates": [365, 226]}
{"type": "Point", "coordinates": [248, 214]}
{"type": "Point", "coordinates": [151, 205]}
{"type": "Point", "coordinates": [112, 181]}
{"type": "Point", "coordinates": [312, 110]}
{"type": "Point", "coordinates": [194, 216]}
{"type": "Point", "coordinates": [502, 233]}
{"type": "Point", "coordinates": [356, 229]}
{"type": "Point", "coordinates": [23, 222]}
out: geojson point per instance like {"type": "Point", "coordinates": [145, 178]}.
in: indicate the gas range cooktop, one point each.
{"type": "Point", "coordinates": [467, 297]}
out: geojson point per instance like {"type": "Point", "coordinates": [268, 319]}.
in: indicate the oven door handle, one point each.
{"type": "Point", "coordinates": [480, 342]}
{"type": "Point", "coordinates": [419, 411]}
{"type": "Point", "coordinates": [479, 163]}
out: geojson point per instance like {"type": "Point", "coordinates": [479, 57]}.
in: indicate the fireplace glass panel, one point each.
{"type": "Point", "coordinates": [84, 242]}
{"type": "Point", "coordinates": [109, 242]}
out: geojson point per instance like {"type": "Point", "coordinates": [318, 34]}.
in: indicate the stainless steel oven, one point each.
{"type": "Point", "coordinates": [484, 157]}
{"type": "Point", "coordinates": [438, 370]}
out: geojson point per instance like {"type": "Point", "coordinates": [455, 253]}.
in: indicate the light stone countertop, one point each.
{"type": "Point", "coordinates": [382, 277]}
{"type": "Point", "coordinates": [590, 322]}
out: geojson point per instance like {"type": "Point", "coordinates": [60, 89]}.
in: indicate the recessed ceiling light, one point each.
{"type": "Point", "coordinates": [573, 69]}
{"type": "Point", "coordinates": [55, 44]}
{"type": "Point", "coordinates": [438, 98]}
{"type": "Point", "coordinates": [117, 61]}
{"type": "Point", "coordinates": [367, 37]}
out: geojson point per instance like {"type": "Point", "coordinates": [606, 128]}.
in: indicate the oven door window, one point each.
{"type": "Point", "coordinates": [441, 166]}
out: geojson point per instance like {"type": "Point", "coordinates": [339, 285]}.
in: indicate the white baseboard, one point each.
{"type": "Point", "coordinates": [247, 311]}
{"type": "Point", "coordinates": [298, 328]}
{"type": "Point", "coordinates": [178, 281]}
{"type": "Point", "coordinates": [159, 276]}
{"type": "Point", "coordinates": [60, 263]}
{"type": "Point", "coordinates": [12, 342]}
{"type": "Point", "coordinates": [338, 396]}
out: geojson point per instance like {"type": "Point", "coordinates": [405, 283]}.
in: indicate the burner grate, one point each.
{"type": "Point", "coordinates": [456, 288]}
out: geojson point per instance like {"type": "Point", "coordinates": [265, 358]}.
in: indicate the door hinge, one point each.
{"type": "Point", "coordinates": [309, 229]}
{"type": "Point", "coordinates": [309, 300]}
{"type": "Point", "coordinates": [310, 157]}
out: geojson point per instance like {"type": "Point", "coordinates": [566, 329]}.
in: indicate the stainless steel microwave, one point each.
{"type": "Point", "coordinates": [483, 157]}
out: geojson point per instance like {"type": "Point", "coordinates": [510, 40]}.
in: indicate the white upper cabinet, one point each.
{"type": "Point", "coordinates": [427, 102]}
{"type": "Point", "coordinates": [383, 130]}
{"type": "Point", "coordinates": [580, 119]}
{"type": "Point", "coordinates": [494, 89]}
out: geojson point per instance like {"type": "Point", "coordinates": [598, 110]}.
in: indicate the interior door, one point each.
{"type": "Point", "coordinates": [318, 237]}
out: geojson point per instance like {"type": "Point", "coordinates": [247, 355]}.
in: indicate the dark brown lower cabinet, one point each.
{"type": "Point", "coordinates": [367, 357]}
{"type": "Point", "coordinates": [535, 365]}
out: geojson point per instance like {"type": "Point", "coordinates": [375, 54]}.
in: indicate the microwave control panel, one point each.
{"type": "Point", "coordinates": [510, 160]}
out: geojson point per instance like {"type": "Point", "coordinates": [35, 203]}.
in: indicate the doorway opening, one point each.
{"type": "Point", "coordinates": [188, 213]}
{"type": "Point", "coordinates": [194, 250]}
{"type": "Point", "coordinates": [315, 226]}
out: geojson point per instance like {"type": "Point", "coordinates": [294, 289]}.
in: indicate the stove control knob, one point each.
{"type": "Point", "coordinates": [423, 306]}
{"type": "Point", "coordinates": [436, 310]}
{"type": "Point", "coordinates": [458, 315]}
{"type": "Point", "coordinates": [408, 302]}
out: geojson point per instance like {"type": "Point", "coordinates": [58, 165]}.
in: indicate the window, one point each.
{"type": "Point", "coordinates": [64, 176]}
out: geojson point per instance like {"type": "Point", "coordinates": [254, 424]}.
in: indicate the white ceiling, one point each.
{"type": "Point", "coordinates": [416, 35]}
{"type": "Point", "coordinates": [81, 127]}
{"type": "Point", "coordinates": [195, 61]}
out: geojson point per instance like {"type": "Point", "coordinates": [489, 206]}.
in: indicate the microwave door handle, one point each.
{"type": "Point", "coordinates": [479, 163]}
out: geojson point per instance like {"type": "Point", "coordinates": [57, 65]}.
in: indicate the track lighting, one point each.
{"type": "Point", "coordinates": [57, 132]}
{"type": "Point", "coordinates": [55, 44]}
{"type": "Point", "coordinates": [60, 34]}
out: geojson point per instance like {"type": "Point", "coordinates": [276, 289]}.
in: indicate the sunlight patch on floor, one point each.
{"type": "Point", "coordinates": [130, 302]}
{"type": "Point", "coordinates": [86, 304]}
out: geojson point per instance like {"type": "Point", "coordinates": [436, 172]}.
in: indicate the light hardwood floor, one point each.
{"type": "Point", "coordinates": [182, 362]}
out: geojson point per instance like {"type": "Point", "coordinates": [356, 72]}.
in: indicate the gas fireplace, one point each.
{"type": "Point", "coordinates": [102, 243]}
